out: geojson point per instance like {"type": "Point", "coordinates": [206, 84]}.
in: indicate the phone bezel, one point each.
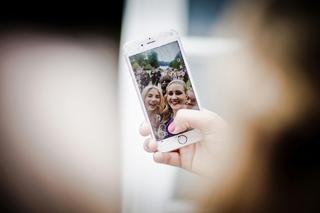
{"type": "Point", "coordinates": [151, 42]}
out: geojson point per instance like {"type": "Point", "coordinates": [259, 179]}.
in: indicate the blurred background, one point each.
{"type": "Point", "coordinates": [69, 112]}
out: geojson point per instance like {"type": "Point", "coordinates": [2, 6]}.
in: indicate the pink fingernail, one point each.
{"type": "Point", "coordinates": [171, 127]}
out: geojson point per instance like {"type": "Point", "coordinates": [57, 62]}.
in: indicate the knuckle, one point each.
{"type": "Point", "coordinates": [166, 159]}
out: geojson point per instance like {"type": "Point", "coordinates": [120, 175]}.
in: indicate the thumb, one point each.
{"type": "Point", "coordinates": [203, 120]}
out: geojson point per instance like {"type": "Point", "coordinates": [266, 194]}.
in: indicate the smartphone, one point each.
{"type": "Point", "coordinates": [164, 85]}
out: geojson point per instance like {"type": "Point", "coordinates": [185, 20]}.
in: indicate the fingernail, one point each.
{"type": "Point", "coordinates": [171, 127]}
{"type": "Point", "coordinates": [157, 156]}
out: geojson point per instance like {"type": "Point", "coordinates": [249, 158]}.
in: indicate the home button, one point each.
{"type": "Point", "coordinates": [182, 139]}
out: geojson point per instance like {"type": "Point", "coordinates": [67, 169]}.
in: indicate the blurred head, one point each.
{"type": "Point", "coordinates": [153, 98]}
{"type": "Point", "coordinates": [164, 81]}
{"type": "Point", "coordinates": [176, 95]}
{"type": "Point", "coordinates": [52, 126]}
{"type": "Point", "coordinates": [277, 93]}
{"type": "Point", "coordinates": [191, 101]}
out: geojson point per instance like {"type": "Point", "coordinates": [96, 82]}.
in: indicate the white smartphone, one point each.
{"type": "Point", "coordinates": [164, 85]}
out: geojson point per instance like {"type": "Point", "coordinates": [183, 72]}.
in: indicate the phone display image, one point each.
{"type": "Point", "coordinates": [164, 85]}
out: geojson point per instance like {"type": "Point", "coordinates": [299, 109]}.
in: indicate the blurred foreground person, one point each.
{"type": "Point", "coordinates": [275, 127]}
{"type": "Point", "coordinates": [59, 150]}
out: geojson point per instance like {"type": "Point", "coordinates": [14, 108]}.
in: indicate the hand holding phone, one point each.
{"type": "Point", "coordinates": [164, 85]}
{"type": "Point", "coordinates": [209, 156]}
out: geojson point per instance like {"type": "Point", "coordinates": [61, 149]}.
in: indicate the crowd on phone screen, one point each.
{"type": "Point", "coordinates": [164, 92]}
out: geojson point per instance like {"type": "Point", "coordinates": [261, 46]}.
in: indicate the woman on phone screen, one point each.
{"type": "Point", "coordinates": [154, 103]}
{"type": "Point", "coordinates": [176, 99]}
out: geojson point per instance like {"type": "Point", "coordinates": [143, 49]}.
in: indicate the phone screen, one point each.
{"type": "Point", "coordinates": [164, 85]}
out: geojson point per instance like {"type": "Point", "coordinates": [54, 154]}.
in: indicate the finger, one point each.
{"type": "Point", "coordinates": [170, 158]}
{"type": "Point", "coordinates": [150, 145]}
{"type": "Point", "coordinates": [203, 120]}
{"type": "Point", "coordinates": [187, 155]}
{"type": "Point", "coordinates": [144, 129]}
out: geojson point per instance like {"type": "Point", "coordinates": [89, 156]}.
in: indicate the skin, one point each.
{"type": "Point", "coordinates": [176, 97]}
{"type": "Point", "coordinates": [152, 100]}
{"type": "Point", "coordinates": [194, 157]}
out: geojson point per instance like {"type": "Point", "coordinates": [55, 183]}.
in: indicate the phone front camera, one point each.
{"type": "Point", "coordinates": [141, 45]}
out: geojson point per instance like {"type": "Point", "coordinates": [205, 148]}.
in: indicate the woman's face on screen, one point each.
{"type": "Point", "coordinates": [152, 100]}
{"type": "Point", "coordinates": [176, 96]}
